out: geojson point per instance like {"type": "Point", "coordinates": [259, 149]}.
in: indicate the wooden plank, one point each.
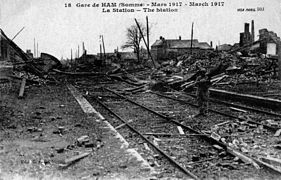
{"type": "Point", "coordinates": [22, 87]}
{"type": "Point", "coordinates": [180, 130]}
{"type": "Point", "coordinates": [146, 147]}
{"type": "Point", "coordinates": [124, 124]}
{"type": "Point", "coordinates": [243, 157]}
{"type": "Point", "coordinates": [268, 166]}
{"type": "Point", "coordinates": [271, 161]}
{"type": "Point", "coordinates": [76, 158]}
{"type": "Point", "coordinates": [237, 109]}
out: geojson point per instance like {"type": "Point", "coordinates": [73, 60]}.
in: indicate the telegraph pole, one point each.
{"type": "Point", "coordinates": [279, 60]}
{"type": "Point", "coordinates": [78, 52]}
{"type": "Point", "coordinates": [34, 49]}
{"type": "Point", "coordinates": [70, 57]}
{"type": "Point", "coordinates": [191, 38]}
{"type": "Point", "coordinates": [104, 56]}
{"type": "Point", "coordinates": [147, 31]}
{"type": "Point", "coordinates": [154, 64]}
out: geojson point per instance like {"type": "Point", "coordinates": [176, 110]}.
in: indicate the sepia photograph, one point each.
{"type": "Point", "coordinates": [140, 90]}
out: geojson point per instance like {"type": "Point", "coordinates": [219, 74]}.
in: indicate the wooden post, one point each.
{"type": "Point", "coordinates": [147, 35]}
{"type": "Point", "coordinates": [84, 52]}
{"type": "Point", "coordinates": [78, 52]}
{"type": "Point", "coordinates": [22, 86]}
{"type": "Point", "coordinates": [100, 52]}
{"type": "Point", "coordinates": [154, 64]}
{"type": "Point", "coordinates": [279, 60]}
{"type": "Point", "coordinates": [37, 50]}
{"type": "Point", "coordinates": [34, 49]}
{"type": "Point", "coordinates": [70, 57]}
{"type": "Point", "coordinates": [104, 56]}
{"type": "Point", "coordinates": [1, 56]}
{"type": "Point", "coordinates": [191, 39]}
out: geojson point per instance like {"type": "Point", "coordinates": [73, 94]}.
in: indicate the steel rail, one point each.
{"type": "Point", "coordinates": [273, 129]}
{"type": "Point", "coordinates": [239, 106]}
{"type": "Point", "coordinates": [206, 137]}
{"type": "Point", "coordinates": [170, 119]}
{"type": "Point", "coordinates": [175, 163]}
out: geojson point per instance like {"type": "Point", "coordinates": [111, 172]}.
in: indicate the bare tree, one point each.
{"type": "Point", "coordinates": [134, 39]}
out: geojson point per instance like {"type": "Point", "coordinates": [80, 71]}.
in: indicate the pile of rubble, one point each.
{"type": "Point", "coordinates": [227, 70]}
{"type": "Point", "coordinates": [26, 69]}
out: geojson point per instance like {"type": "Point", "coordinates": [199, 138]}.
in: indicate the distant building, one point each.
{"type": "Point", "coordinates": [128, 56]}
{"type": "Point", "coordinates": [106, 58]}
{"type": "Point", "coordinates": [247, 37]}
{"type": "Point", "coordinates": [224, 47]}
{"type": "Point", "coordinates": [164, 48]}
{"type": "Point", "coordinates": [267, 43]}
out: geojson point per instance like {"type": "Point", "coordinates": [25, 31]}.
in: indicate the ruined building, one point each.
{"type": "Point", "coordinates": [164, 48]}
{"type": "Point", "coordinates": [247, 37]}
{"type": "Point", "coordinates": [8, 53]}
{"type": "Point", "coordinates": [268, 42]}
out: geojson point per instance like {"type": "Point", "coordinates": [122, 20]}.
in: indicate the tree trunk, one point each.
{"type": "Point", "coordinates": [138, 54]}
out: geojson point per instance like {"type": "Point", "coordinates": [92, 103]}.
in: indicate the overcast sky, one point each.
{"type": "Point", "coordinates": [58, 29]}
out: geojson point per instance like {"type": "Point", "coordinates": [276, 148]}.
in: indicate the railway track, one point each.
{"type": "Point", "coordinates": [189, 147]}
{"type": "Point", "coordinates": [247, 108]}
{"type": "Point", "coordinates": [226, 114]}
{"type": "Point", "coordinates": [269, 119]}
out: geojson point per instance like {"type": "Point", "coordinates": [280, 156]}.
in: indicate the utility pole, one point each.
{"type": "Point", "coordinates": [34, 49]}
{"type": "Point", "coordinates": [83, 47]}
{"type": "Point", "coordinates": [191, 38]}
{"type": "Point", "coordinates": [84, 52]}
{"type": "Point", "coordinates": [78, 52]}
{"type": "Point", "coordinates": [70, 57]}
{"type": "Point", "coordinates": [154, 64]}
{"type": "Point", "coordinates": [17, 33]}
{"type": "Point", "coordinates": [279, 60]}
{"type": "Point", "coordinates": [104, 56]}
{"type": "Point", "coordinates": [1, 46]}
{"type": "Point", "coordinates": [101, 53]}
{"type": "Point", "coordinates": [147, 31]}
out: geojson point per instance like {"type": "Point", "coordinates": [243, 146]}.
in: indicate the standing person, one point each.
{"type": "Point", "coordinates": [203, 83]}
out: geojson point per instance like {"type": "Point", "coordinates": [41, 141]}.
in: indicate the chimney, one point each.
{"type": "Point", "coordinates": [253, 31]}
{"type": "Point", "coordinates": [241, 42]}
{"type": "Point", "coordinates": [0, 47]}
{"type": "Point", "coordinates": [179, 37]}
{"type": "Point", "coordinates": [211, 44]}
{"type": "Point", "coordinates": [246, 28]}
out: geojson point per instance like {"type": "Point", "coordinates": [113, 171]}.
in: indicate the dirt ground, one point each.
{"type": "Point", "coordinates": [39, 132]}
